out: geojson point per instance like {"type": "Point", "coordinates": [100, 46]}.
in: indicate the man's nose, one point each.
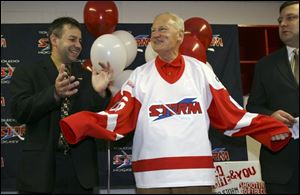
{"type": "Point", "coordinates": [78, 44]}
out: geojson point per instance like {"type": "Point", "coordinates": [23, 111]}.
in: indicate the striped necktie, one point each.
{"type": "Point", "coordinates": [295, 64]}
{"type": "Point", "coordinates": [65, 108]}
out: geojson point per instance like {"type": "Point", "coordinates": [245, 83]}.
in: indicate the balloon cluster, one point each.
{"type": "Point", "coordinates": [197, 38]}
{"type": "Point", "coordinates": [119, 48]}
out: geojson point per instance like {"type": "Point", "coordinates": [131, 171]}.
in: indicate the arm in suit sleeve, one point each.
{"type": "Point", "coordinates": [257, 101]}
{"type": "Point", "coordinates": [30, 101]}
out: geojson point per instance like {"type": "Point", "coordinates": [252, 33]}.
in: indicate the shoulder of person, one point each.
{"type": "Point", "coordinates": [196, 64]}
{"type": "Point", "coordinates": [268, 62]}
{"type": "Point", "coordinates": [145, 67]}
{"type": "Point", "coordinates": [274, 56]}
{"type": "Point", "coordinates": [33, 66]}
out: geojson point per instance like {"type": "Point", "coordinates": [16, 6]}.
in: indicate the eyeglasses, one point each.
{"type": "Point", "coordinates": [288, 18]}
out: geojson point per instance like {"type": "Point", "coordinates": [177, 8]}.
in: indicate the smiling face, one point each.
{"type": "Point", "coordinates": [68, 46]}
{"type": "Point", "coordinates": [165, 36]}
{"type": "Point", "coordinates": [289, 25]}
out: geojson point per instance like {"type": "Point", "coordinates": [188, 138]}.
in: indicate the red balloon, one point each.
{"type": "Point", "coordinates": [200, 28]}
{"type": "Point", "coordinates": [87, 64]}
{"type": "Point", "coordinates": [100, 17]}
{"type": "Point", "coordinates": [191, 46]}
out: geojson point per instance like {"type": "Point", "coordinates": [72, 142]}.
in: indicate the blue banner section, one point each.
{"type": "Point", "coordinates": [27, 43]}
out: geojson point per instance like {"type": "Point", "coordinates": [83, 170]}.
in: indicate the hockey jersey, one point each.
{"type": "Point", "coordinates": [171, 147]}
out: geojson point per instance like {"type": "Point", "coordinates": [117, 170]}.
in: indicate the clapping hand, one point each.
{"type": "Point", "coordinates": [65, 86]}
{"type": "Point", "coordinates": [102, 78]}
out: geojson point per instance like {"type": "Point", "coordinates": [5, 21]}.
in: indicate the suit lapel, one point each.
{"type": "Point", "coordinates": [284, 67]}
{"type": "Point", "coordinates": [76, 72]}
{"type": "Point", "coordinates": [50, 70]}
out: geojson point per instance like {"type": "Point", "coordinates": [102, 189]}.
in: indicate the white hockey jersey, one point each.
{"type": "Point", "coordinates": [171, 147]}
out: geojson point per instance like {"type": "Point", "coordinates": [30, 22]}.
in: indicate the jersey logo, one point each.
{"type": "Point", "coordinates": [186, 106]}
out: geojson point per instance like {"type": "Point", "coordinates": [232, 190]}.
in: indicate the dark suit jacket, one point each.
{"type": "Point", "coordinates": [274, 87]}
{"type": "Point", "coordinates": [33, 103]}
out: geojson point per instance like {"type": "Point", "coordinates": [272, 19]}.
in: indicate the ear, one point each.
{"type": "Point", "coordinates": [53, 40]}
{"type": "Point", "coordinates": [180, 36]}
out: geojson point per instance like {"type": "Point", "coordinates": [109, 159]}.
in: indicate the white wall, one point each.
{"type": "Point", "coordinates": [215, 12]}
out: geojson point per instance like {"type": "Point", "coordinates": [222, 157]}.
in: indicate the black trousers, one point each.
{"type": "Point", "coordinates": [66, 180]}
{"type": "Point", "coordinates": [290, 188]}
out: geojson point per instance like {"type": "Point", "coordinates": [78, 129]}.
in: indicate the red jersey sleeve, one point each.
{"type": "Point", "coordinates": [117, 120]}
{"type": "Point", "coordinates": [226, 115]}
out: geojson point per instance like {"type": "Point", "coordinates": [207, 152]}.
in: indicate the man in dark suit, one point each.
{"type": "Point", "coordinates": [38, 92]}
{"type": "Point", "coordinates": [275, 92]}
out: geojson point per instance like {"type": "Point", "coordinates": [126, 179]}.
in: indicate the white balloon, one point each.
{"type": "Point", "coordinates": [150, 53]}
{"type": "Point", "coordinates": [130, 44]}
{"type": "Point", "coordinates": [120, 80]}
{"type": "Point", "coordinates": [109, 48]}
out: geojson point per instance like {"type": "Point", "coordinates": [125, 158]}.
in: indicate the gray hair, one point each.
{"type": "Point", "coordinates": [178, 22]}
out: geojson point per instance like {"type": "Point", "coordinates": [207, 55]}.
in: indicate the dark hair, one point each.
{"type": "Point", "coordinates": [57, 25]}
{"type": "Point", "coordinates": [287, 3]}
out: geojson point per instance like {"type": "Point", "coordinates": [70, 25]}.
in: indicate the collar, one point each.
{"type": "Point", "coordinates": [290, 52]}
{"type": "Point", "coordinates": [177, 62]}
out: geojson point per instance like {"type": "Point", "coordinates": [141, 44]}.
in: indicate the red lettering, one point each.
{"type": "Point", "coordinates": [142, 42]}
{"type": "Point", "coordinates": [43, 42]}
{"type": "Point", "coordinates": [182, 108]}
{"type": "Point", "coordinates": [194, 108]}
{"type": "Point", "coordinates": [154, 110]}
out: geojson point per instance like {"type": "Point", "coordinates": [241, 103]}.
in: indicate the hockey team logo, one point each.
{"type": "Point", "coordinates": [122, 160]}
{"type": "Point", "coordinates": [220, 154]}
{"type": "Point", "coordinates": [187, 106]}
{"type": "Point", "coordinates": [12, 134]}
{"type": "Point", "coordinates": [43, 43]}
{"type": "Point", "coordinates": [142, 40]}
{"type": "Point", "coordinates": [7, 69]}
{"type": "Point", "coordinates": [217, 41]}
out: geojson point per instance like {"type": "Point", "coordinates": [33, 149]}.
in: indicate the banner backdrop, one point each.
{"type": "Point", "coordinates": [27, 43]}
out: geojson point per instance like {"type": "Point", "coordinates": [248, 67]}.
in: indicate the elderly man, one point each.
{"type": "Point", "coordinates": [170, 102]}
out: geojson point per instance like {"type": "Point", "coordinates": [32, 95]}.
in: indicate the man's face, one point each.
{"type": "Point", "coordinates": [289, 25]}
{"type": "Point", "coordinates": [69, 45]}
{"type": "Point", "coordinates": [165, 37]}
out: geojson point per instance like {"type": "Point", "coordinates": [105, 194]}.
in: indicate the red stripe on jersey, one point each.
{"type": "Point", "coordinates": [190, 162]}
{"type": "Point", "coordinates": [221, 109]}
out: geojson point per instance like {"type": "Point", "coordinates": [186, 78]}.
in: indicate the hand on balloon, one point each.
{"type": "Point", "coordinates": [102, 78]}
